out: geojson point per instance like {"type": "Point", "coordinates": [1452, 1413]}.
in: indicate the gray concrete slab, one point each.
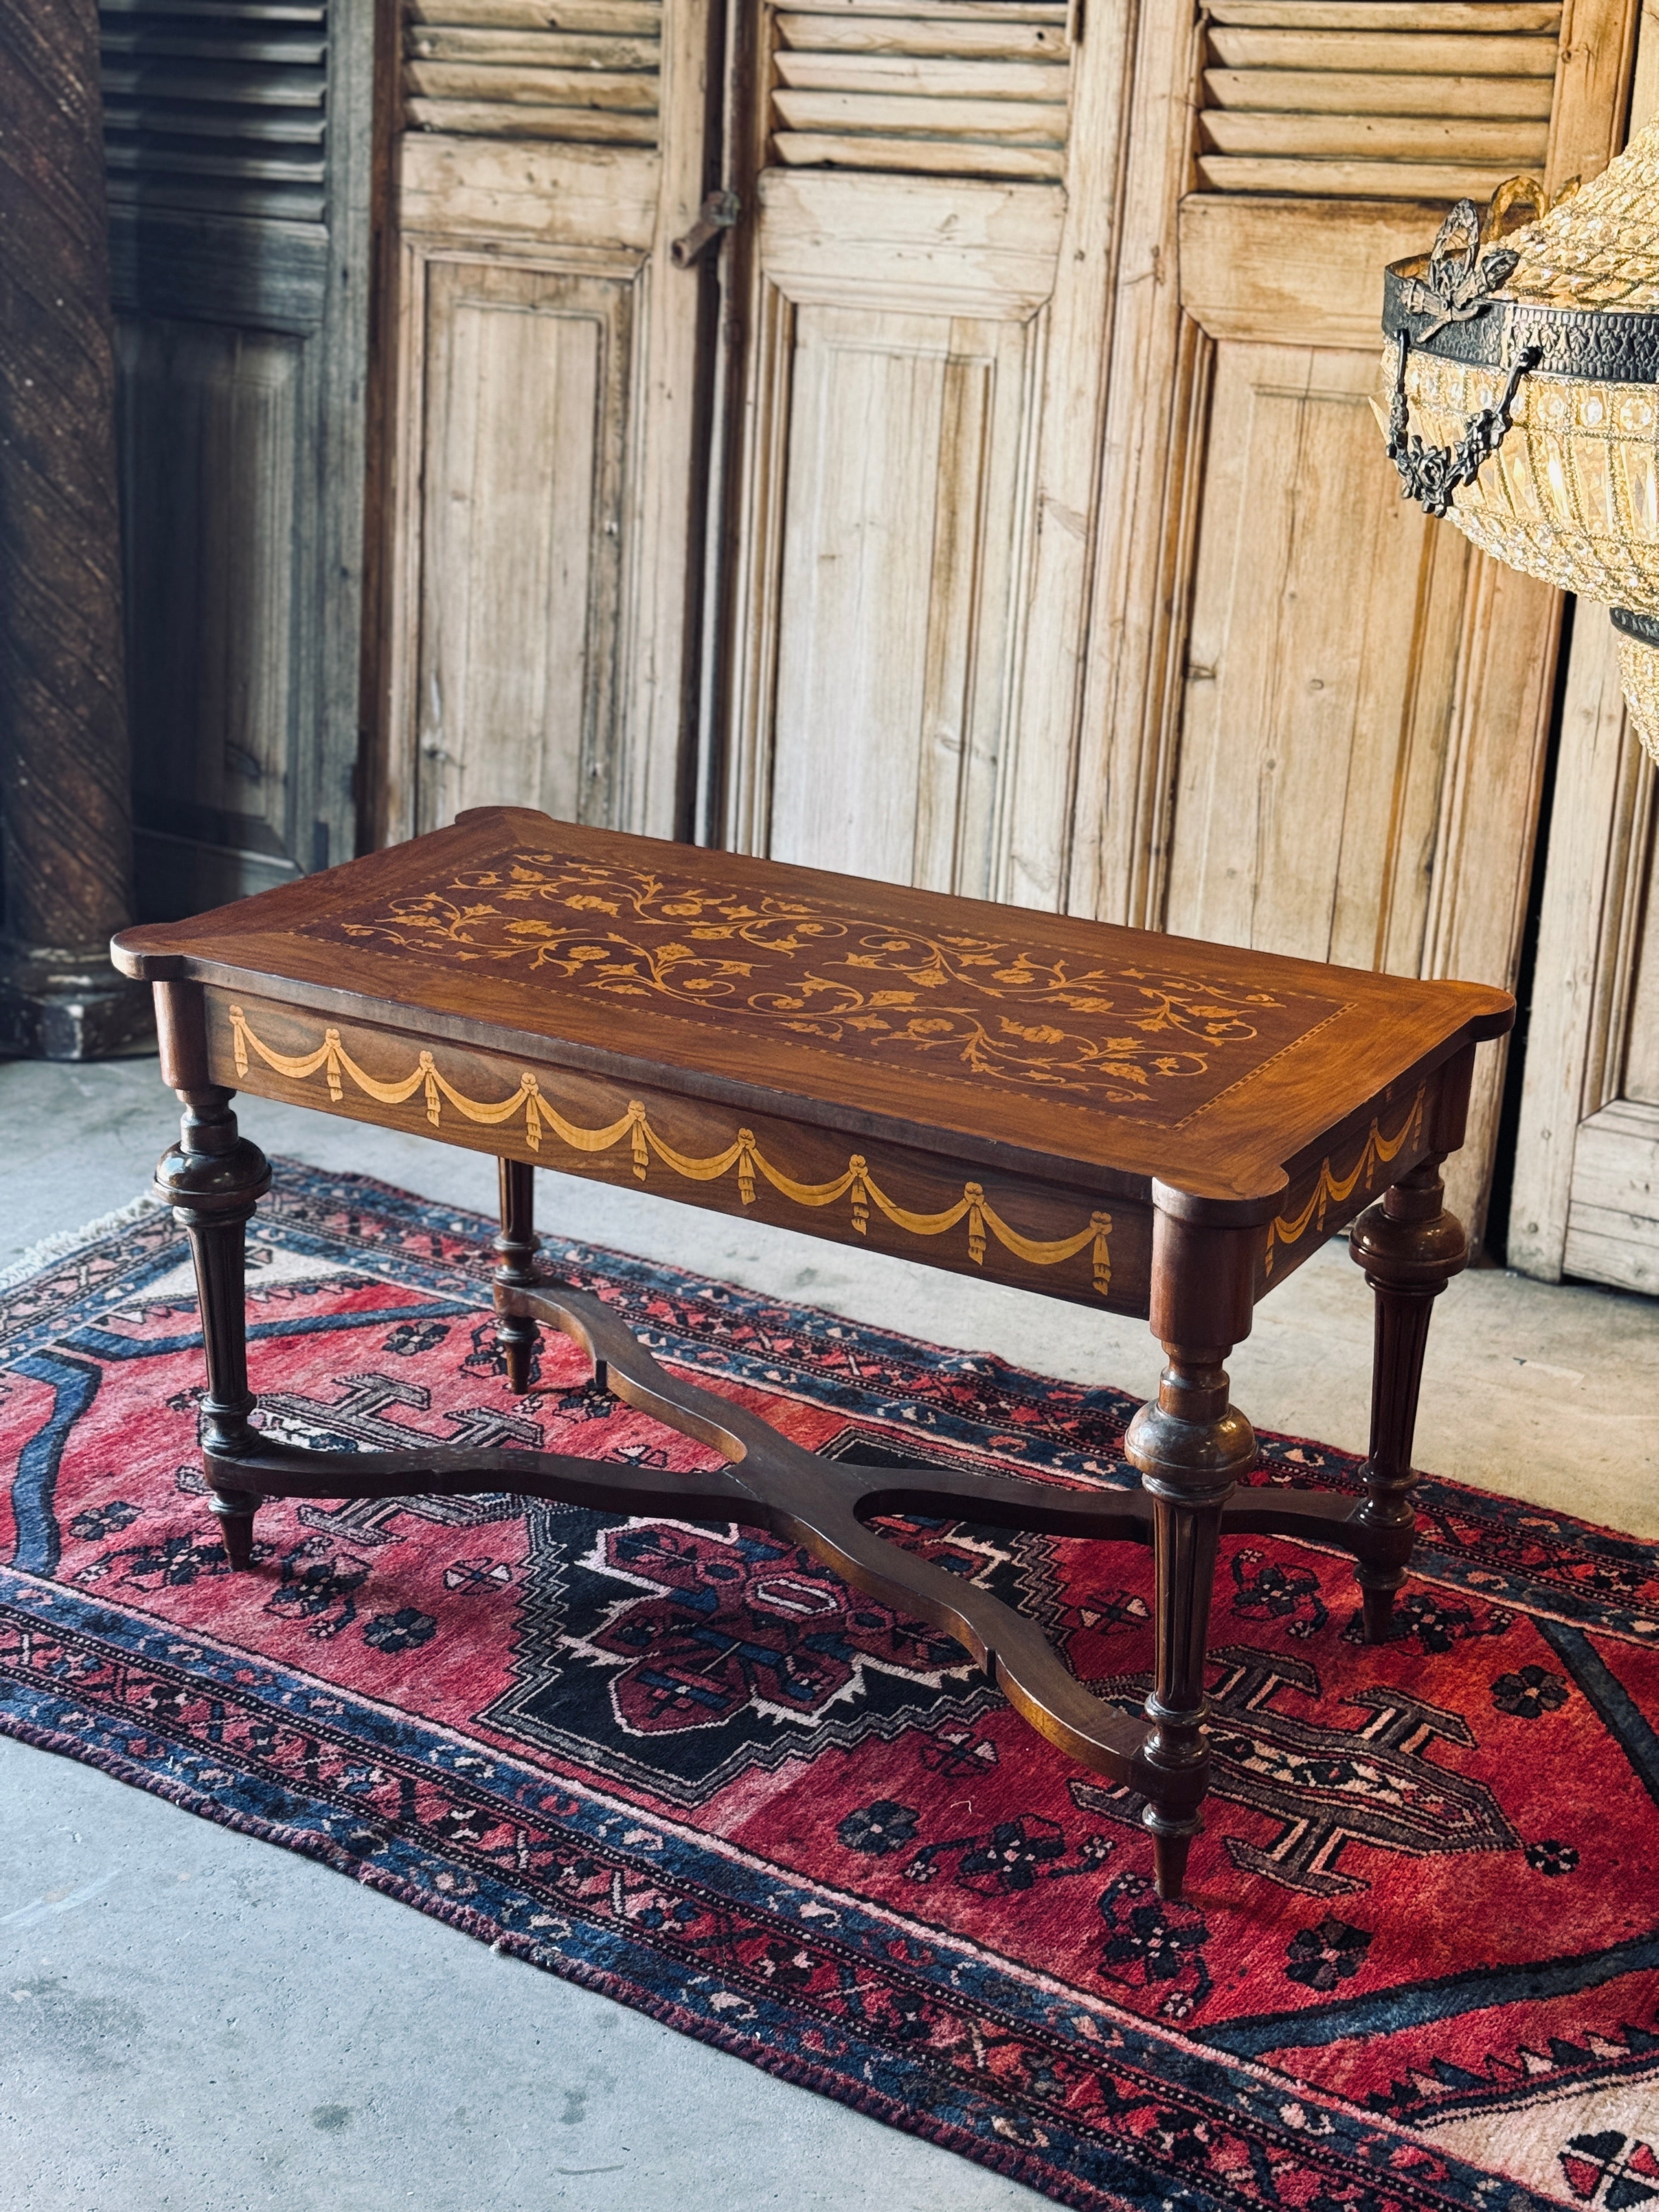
{"type": "Point", "coordinates": [194, 2021]}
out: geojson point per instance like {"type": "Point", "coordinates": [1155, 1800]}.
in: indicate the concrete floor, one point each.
{"type": "Point", "coordinates": [194, 2021]}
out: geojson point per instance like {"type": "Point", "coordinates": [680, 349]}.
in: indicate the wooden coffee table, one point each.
{"type": "Point", "coordinates": [1140, 1122]}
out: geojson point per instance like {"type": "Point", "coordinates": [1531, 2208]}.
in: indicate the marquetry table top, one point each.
{"type": "Point", "coordinates": [1004, 1034]}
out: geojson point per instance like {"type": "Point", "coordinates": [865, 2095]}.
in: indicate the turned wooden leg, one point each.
{"type": "Point", "coordinates": [213, 1179]}
{"type": "Point", "coordinates": [516, 1246]}
{"type": "Point", "coordinates": [1410, 1248]}
{"type": "Point", "coordinates": [1190, 1445]}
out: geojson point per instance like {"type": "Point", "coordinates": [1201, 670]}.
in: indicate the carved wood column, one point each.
{"type": "Point", "coordinates": [65, 817]}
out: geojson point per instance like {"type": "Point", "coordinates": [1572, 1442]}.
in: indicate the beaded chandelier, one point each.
{"type": "Point", "coordinates": [1522, 370]}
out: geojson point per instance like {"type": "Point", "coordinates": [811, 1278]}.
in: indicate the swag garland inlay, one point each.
{"type": "Point", "coordinates": [1331, 1190]}
{"type": "Point", "coordinates": [856, 1184]}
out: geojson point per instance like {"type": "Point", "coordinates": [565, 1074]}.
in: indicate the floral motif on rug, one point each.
{"type": "Point", "coordinates": [1418, 1964]}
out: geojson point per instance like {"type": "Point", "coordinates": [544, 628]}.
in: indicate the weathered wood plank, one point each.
{"type": "Point", "coordinates": [633, 92]}
{"type": "Point", "coordinates": [1612, 1229]}
{"type": "Point", "coordinates": [931, 157]}
{"type": "Point", "coordinates": [1481, 871]}
{"type": "Point", "coordinates": [1295, 714]}
{"type": "Point", "coordinates": [466, 188]}
{"type": "Point", "coordinates": [219, 268]}
{"type": "Point", "coordinates": [981, 796]}
{"type": "Point", "coordinates": [1598, 44]}
{"type": "Point", "coordinates": [1401, 53]}
{"type": "Point", "coordinates": [1040, 777]}
{"type": "Point", "coordinates": [532, 48]}
{"type": "Point", "coordinates": [926, 76]}
{"type": "Point", "coordinates": [1244, 263]}
{"type": "Point", "coordinates": [1487, 16]}
{"type": "Point", "coordinates": [1007, 122]}
{"type": "Point", "coordinates": [1351, 179]}
{"type": "Point", "coordinates": [1457, 140]}
{"type": "Point", "coordinates": [606, 18]}
{"type": "Point", "coordinates": [502, 119]}
{"type": "Point", "coordinates": [541, 596]}
{"type": "Point", "coordinates": [905, 440]}
{"type": "Point", "coordinates": [520, 560]}
{"type": "Point", "coordinates": [1344, 92]}
{"type": "Point", "coordinates": [1636, 1020]}
{"type": "Point", "coordinates": [923, 241]}
{"type": "Point", "coordinates": [995, 35]}
{"type": "Point", "coordinates": [1152, 472]}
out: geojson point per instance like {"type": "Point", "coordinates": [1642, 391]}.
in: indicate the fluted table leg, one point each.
{"type": "Point", "coordinates": [1410, 1248]}
{"type": "Point", "coordinates": [1191, 1446]}
{"type": "Point", "coordinates": [516, 1245]}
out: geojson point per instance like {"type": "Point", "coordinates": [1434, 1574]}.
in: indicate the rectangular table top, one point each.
{"type": "Point", "coordinates": [1029, 1040]}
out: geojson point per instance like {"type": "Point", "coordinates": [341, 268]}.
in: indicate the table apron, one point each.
{"type": "Point", "coordinates": [1021, 1230]}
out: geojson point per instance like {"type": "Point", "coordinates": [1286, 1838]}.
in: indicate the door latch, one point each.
{"type": "Point", "coordinates": [718, 213]}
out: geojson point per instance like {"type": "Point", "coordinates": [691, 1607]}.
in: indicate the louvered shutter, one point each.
{"type": "Point", "coordinates": [922, 95]}
{"type": "Point", "coordinates": [516, 69]}
{"type": "Point", "coordinates": [237, 138]}
{"type": "Point", "coordinates": [1423, 100]}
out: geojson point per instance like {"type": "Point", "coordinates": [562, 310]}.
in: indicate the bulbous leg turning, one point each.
{"type": "Point", "coordinates": [213, 1178]}
{"type": "Point", "coordinates": [1191, 1446]}
{"type": "Point", "coordinates": [516, 1245]}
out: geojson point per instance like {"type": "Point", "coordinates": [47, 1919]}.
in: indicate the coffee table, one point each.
{"type": "Point", "coordinates": [1127, 1120]}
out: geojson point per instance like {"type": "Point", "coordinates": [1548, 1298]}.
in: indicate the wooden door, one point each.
{"type": "Point", "coordinates": [237, 136]}
{"type": "Point", "coordinates": [923, 287]}
{"type": "Point", "coordinates": [543, 375]}
{"type": "Point", "coordinates": [1315, 721]}
{"type": "Point", "coordinates": [1585, 1196]}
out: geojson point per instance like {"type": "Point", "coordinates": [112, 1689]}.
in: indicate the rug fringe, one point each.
{"type": "Point", "coordinates": [63, 1242]}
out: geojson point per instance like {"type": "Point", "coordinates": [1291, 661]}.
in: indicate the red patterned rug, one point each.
{"type": "Point", "coordinates": [1419, 1963]}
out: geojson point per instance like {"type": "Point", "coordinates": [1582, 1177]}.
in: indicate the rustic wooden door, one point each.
{"type": "Point", "coordinates": [1316, 722]}
{"type": "Point", "coordinates": [922, 288]}
{"type": "Point", "coordinates": [238, 140]}
{"type": "Point", "coordinates": [1585, 1196]}
{"type": "Point", "coordinates": [543, 367]}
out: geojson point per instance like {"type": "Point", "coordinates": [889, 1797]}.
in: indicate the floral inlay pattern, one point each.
{"type": "Point", "coordinates": [989, 1007]}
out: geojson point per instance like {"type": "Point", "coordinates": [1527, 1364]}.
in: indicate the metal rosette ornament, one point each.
{"type": "Point", "coordinates": [1523, 373]}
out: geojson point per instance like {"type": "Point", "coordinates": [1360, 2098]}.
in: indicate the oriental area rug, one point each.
{"type": "Point", "coordinates": [1417, 1965]}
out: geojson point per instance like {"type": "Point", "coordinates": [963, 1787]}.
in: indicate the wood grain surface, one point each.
{"type": "Point", "coordinates": [461, 961]}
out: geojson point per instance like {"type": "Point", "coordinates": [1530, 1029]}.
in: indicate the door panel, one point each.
{"type": "Point", "coordinates": [904, 437]}
{"type": "Point", "coordinates": [1323, 651]}
{"type": "Point", "coordinates": [1585, 1199]}
{"type": "Point", "coordinates": [237, 141]}
{"type": "Point", "coordinates": [543, 577]}
{"type": "Point", "coordinates": [925, 296]}
{"type": "Point", "coordinates": [1316, 722]}
{"type": "Point", "coordinates": [209, 421]}
{"type": "Point", "coordinates": [527, 424]}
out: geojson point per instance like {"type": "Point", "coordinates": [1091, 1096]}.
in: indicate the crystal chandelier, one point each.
{"type": "Point", "coordinates": [1523, 373]}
